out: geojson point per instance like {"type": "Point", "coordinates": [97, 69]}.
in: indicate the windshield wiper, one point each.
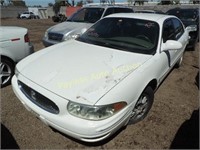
{"type": "Point", "coordinates": [119, 47]}
{"type": "Point", "coordinates": [126, 42]}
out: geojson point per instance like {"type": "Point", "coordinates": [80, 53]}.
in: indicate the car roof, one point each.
{"type": "Point", "coordinates": [105, 6]}
{"type": "Point", "coordinates": [145, 10]}
{"type": "Point", "coordinates": [144, 16]}
{"type": "Point", "coordinates": [148, 11]}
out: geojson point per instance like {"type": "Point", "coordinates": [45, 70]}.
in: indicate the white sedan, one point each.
{"type": "Point", "coordinates": [90, 87]}
{"type": "Point", "coordinates": [14, 46]}
{"type": "Point", "coordinates": [27, 15]}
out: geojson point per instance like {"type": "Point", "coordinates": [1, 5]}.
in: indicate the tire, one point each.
{"type": "Point", "coordinates": [6, 71]}
{"type": "Point", "coordinates": [143, 106]}
{"type": "Point", "coordinates": [179, 62]}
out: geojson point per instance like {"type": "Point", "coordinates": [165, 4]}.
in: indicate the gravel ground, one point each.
{"type": "Point", "coordinates": [173, 121]}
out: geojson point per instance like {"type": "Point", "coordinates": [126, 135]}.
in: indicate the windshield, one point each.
{"type": "Point", "coordinates": [88, 15]}
{"type": "Point", "coordinates": [127, 34]}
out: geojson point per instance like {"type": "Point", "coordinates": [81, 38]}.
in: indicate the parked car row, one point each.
{"type": "Point", "coordinates": [79, 22]}
{"type": "Point", "coordinates": [110, 63]}
{"type": "Point", "coordinates": [85, 17]}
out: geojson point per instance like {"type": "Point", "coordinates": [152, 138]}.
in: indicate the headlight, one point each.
{"type": "Point", "coordinates": [69, 37]}
{"type": "Point", "coordinates": [94, 112]}
{"type": "Point", "coordinates": [46, 34]}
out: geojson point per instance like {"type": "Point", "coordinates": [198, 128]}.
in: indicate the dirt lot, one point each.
{"type": "Point", "coordinates": [171, 123]}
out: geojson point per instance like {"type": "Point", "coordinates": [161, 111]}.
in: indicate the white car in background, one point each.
{"type": "Point", "coordinates": [14, 46]}
{"type": "Point", "coordinates": [27, 15]}
{"type": "Point", "coordinates": [90, 87]}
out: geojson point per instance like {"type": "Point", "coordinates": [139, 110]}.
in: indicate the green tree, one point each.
{"type": "Point", "coordinates": [139, 2]}
{"type": "Point", "coordinates": [50, 4]}
{"type": "Point", "coordinates": [18, 3]}
{"type": "Point", "coordinates": [61, 2]}
{"type": "Point", "coordinates": [80, 3]}
{"type": "Point", "coordinates": [166, 2]}
{"type": "Point", "coordinates": [177, 1]}
{"type": "Point", "coordinates": [130, 1]}
{"type": "Point", "coordinates": [56, 8]}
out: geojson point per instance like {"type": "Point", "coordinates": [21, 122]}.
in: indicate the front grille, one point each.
{"type": "Point", "coordinates": [55, 36]}
{"type": "Point", "coordinates": [38, 99]}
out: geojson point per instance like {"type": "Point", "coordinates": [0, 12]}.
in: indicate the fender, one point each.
{"type": "Point", "coordinates": [7, 53]}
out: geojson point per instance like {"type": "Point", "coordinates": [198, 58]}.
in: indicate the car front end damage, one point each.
{"type": "Point", "coordinates": [52, 110]}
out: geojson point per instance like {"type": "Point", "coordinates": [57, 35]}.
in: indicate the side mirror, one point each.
{"type": "Point", "coordinates": [191, 28]}
{"type": "Point", "coordinates": [171, 45]}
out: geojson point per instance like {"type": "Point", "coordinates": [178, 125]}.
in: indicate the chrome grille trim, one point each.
{"type": "Point", "coordinates": [55, 36]}
{"type": "Point", "coordinates": [38, 99]}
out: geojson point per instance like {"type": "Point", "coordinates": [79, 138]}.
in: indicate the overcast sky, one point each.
{"type": "Point", "coordinates": [39, 2]}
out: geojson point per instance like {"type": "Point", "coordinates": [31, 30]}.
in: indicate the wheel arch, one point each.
{"type": "Point", "coordinates": [153, 84]}
{"type": "Point", "coordinates": [150, 87]}
{"type": "Point", "coordinates": [8, 58]}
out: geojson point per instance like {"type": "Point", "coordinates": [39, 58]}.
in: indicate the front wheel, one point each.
{"type": "Point", "coordinates": [179, 62]}
{"type": "Point", "coordinates": [142, 106]}
{"type": "Point", "coordinates": [6, 72]}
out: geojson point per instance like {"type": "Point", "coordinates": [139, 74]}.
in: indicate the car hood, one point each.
{"type": "Point", "coordinates": [80, 72]}
{"type": "Point", "coordinates": [69, 27]}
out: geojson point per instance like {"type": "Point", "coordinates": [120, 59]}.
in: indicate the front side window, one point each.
{"type": "Point", "coordinates": [178, 27]}
{"type": "Point", "coordinates": [88, 15]}
{"type": "Point", "coordinates": [127, 34]}
{"type": "Point", "coordinates": [168, 31]}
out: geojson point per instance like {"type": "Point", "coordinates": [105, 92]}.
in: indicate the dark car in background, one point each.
{"type": "Point", "coordinates": [189, 16]}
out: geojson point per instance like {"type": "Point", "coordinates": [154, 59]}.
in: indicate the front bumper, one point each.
{"type": "Point", "coordinates": [84, 130]}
